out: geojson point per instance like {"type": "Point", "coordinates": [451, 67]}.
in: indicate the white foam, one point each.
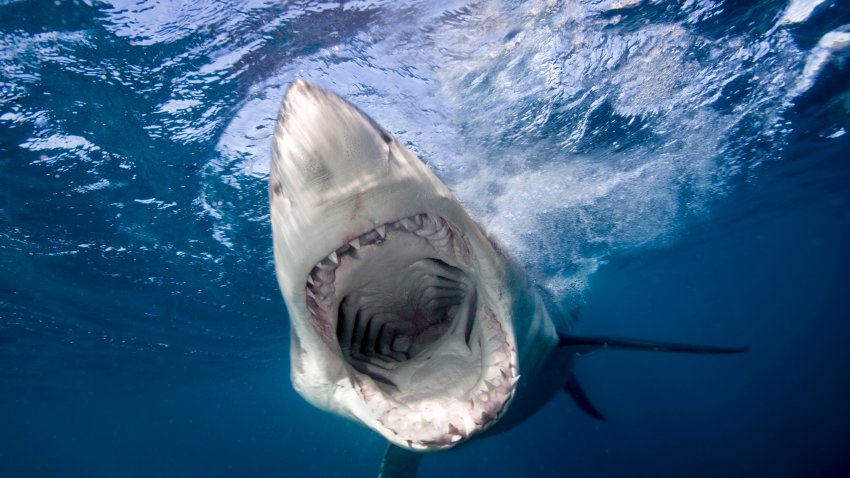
{"type": "Point", "coordinates": [799, 11]}
{"type": "Point", "coordinates": [568, 137]}
{"type": "Point", "coordinates": [178, 106]}
{"type": "Point", "coordinates": [841, 132]}
{"type": "Point", "coordinates": [59, 141]}
{"type": "Point", "coordinates": [148, 22]}
{"type": "Point", "coordinates": [833, 43]}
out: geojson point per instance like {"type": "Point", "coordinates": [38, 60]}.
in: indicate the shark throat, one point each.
{"type": "Point", "coordinates": [424, 349]}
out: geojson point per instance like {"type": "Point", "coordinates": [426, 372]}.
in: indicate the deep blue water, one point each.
{"type": "Point", "coordinates": [670, 170]}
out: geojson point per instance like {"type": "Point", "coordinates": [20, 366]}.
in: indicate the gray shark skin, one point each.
{"type": "Point", "coordinates": [406, 317]}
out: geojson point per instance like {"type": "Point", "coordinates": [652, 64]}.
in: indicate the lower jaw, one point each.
{"type": "Point", "coordinates": [432, 416]}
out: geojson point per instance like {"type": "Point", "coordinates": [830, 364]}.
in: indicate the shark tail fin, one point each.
{"type": "Point", "coordinates": [587, 344]}
{"type": "Point", "coordinates": [399, 463]}
{"type": "Point", "coordinates": [575, 390]}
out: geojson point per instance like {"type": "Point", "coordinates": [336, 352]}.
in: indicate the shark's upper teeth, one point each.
{"type": "Point", "coordinates": [343, 250]}
{"type": "Point", "coordinates": [370, 237]}
{"type": "Point", "coordinates": [429, 226]}
{"type": "Point", "coordinates": [412, 223]}
{"type": "Point", "coordinates": [333, 258]}
{"type": "Point", "coordinates": [324, 273]}
{"type": "Point", "coordinates": [329, 262]}
{"type": "Point", "coordinates": [442, 231]}
{"type": "Point", "coordinates": [435, 230]}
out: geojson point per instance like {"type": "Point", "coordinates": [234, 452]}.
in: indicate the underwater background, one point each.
{"type": "Point", "coordinates": [674, 171]}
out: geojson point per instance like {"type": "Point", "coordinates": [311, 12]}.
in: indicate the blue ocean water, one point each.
{"type": "Point", "coordinates": [668, 170]}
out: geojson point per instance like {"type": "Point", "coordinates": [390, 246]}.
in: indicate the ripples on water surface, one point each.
{"type": "Point", "coordinates": [673, 169]}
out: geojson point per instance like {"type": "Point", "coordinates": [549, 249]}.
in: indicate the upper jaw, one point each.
{"type": "Point", "coordinates": [338, 179]}
{"type": "Point", "coordinates": [335, 174]}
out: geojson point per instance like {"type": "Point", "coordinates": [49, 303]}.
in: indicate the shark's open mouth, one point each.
{"type": "Point", "coordinates": [425, 350]}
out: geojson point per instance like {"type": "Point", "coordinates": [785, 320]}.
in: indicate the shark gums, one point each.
{"type": "Point", "coordinates": [405, 316]}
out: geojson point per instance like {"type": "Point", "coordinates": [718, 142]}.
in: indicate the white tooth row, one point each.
{"type": "Point", "coordinates": [430, 425]}
{"type": "Point", "coordinates": [501, 374]}
{"type": "Point", "coordinates": [442, 236]}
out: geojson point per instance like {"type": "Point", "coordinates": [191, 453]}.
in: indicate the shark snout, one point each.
{"type": "Point", "coordinates": [326, 146]}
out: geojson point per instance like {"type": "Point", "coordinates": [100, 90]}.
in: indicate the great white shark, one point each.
{"type": "Point", "coordinates": [405, 316]}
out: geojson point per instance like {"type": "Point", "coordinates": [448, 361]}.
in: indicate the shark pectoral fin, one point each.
{"type": "Point", "coordinates": [399, 463]}
{"type": "Point", "coordinates": [585, 345]}
{"type": "Point", "coordinates": [573, 388]}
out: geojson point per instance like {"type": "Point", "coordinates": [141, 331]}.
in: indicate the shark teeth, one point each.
{"type": "Point", "coordinates": [412, 223]}
{"type": "Point", "coordinates": [333, 258]}
{"type": "Point", "coordinates": [426, 425]}
{"type": "Point", "coordinates": [442, 236]}
{"type": "Point", "coordinates": [370, 237]}
{"type": "Point", "coordinates": [422, 424]}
